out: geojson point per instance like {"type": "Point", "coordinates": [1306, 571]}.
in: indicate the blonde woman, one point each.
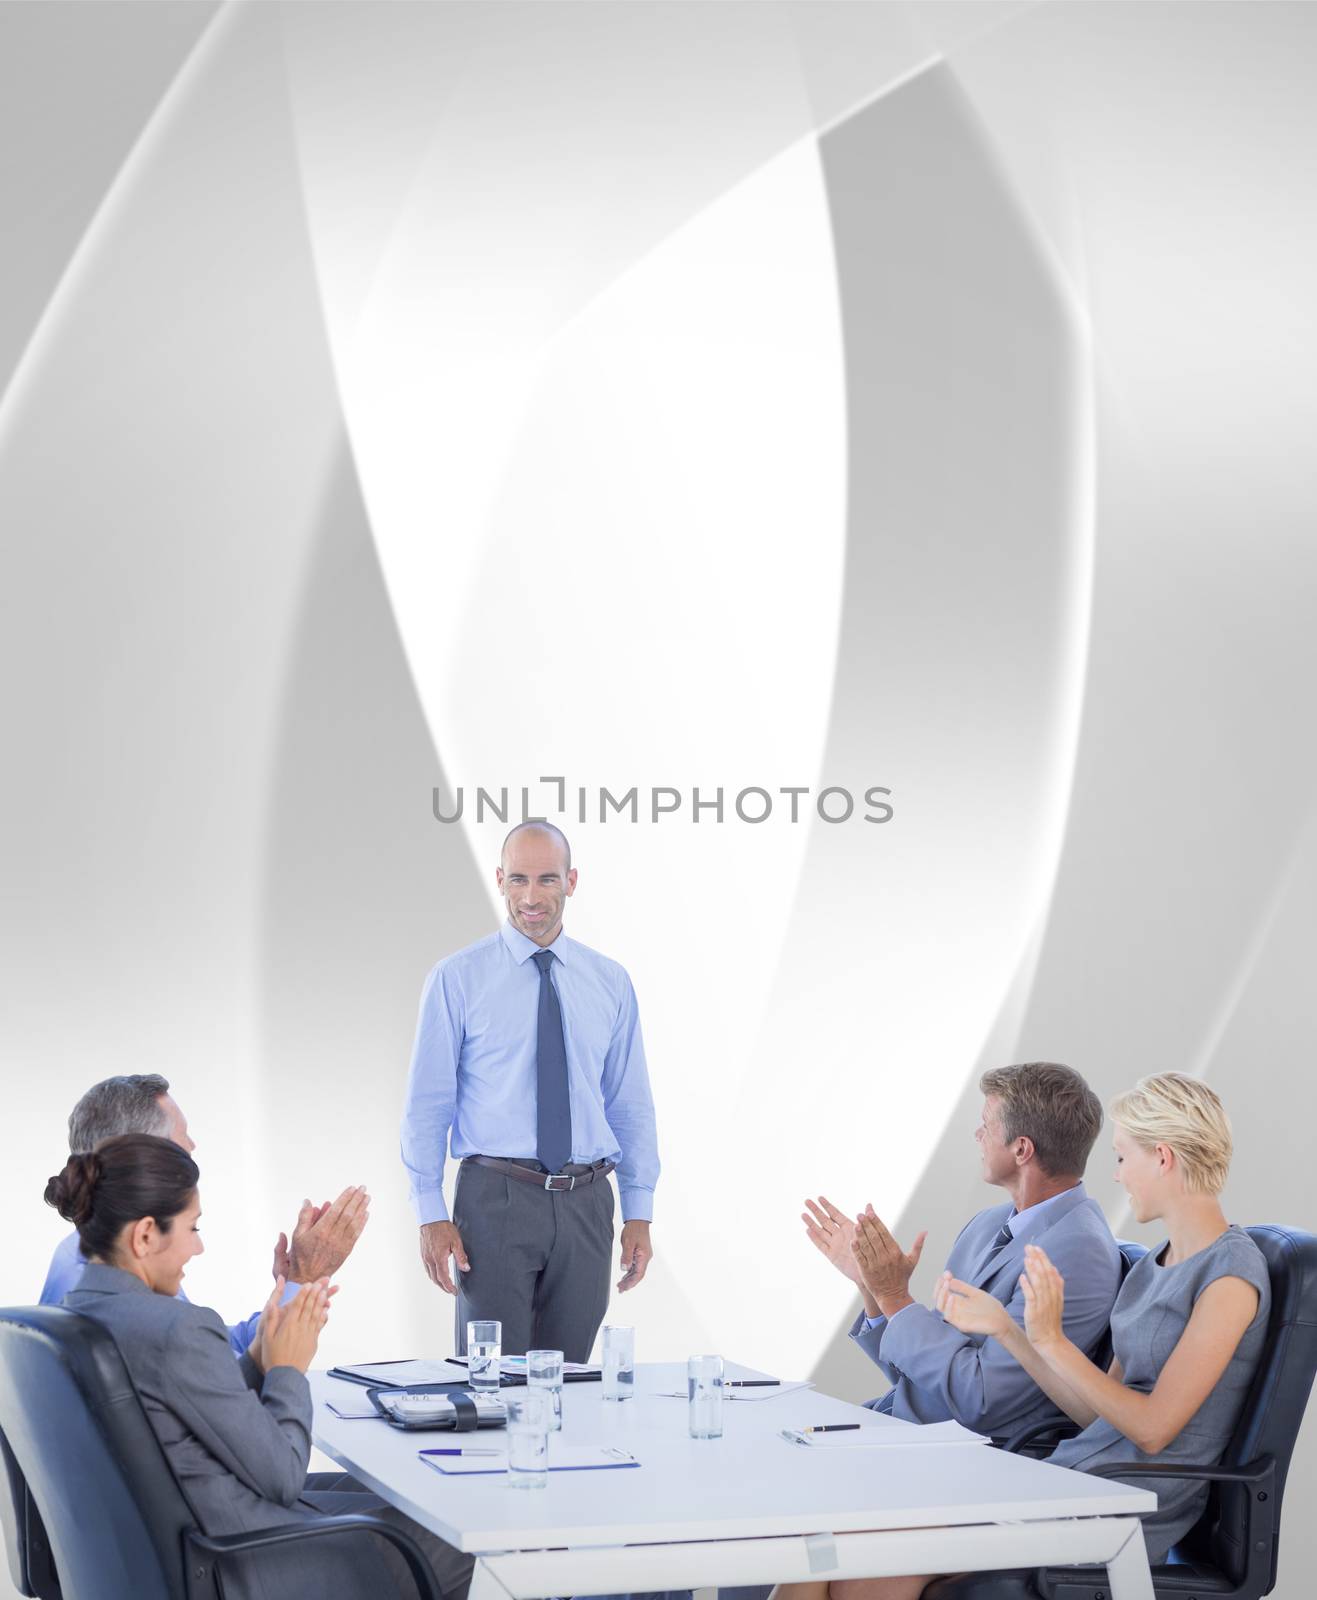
{"type": "Point", "coordinates": [1187, 1328]}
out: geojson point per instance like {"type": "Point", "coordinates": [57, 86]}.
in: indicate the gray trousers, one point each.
{"type": "Point", "coordinates": [540, 1260]}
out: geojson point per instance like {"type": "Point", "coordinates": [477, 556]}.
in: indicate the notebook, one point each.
{"type": "Point", "coordinates": [562, 1458]}
{"type": "Point", "coordinates": [395, 1374]}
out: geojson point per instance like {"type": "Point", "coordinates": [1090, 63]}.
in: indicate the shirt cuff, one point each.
{"type": "Point", "coordinates": [637, 1204]}
{"type": "Point", "coordinates": [430, 1207]}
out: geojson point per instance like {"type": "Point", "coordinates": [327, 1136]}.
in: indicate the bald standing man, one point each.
{"type": "Point", "coordinates": [529, 1065]}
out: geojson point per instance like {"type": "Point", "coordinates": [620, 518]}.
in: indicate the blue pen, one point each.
{"type": "Point", "coordinates": [462, 1452]}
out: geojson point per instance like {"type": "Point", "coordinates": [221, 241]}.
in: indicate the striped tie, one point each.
{"type": "Point", "coordinates": [1004, 1237]}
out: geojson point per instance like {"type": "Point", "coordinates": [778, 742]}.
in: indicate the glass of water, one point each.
{"type": "Point", "coordinates": [528, 1439]}
{"type": "Point", "coordinates": [544, 1372]}
{"type": "Point", "coordinates": [484, 1342]}
{"type": "Point", "coordinates": [619, 1363]}
{"type": "Point", "coordinates": [704, 1384]}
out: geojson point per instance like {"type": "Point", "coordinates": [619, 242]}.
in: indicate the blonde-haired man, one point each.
{"type": "Point", "coordinates": [1039, 1122]}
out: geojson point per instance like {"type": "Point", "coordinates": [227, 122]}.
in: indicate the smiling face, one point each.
{"type": "Point", "coordinates": [536, 882]}
{"type": "Point", "coordinates": [1142, 1173]}
{"type": "Point", "coordinates": [160, 1258]}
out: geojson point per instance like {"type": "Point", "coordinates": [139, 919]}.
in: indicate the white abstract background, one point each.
{"type": "Point", "coordinates": [414, 396]}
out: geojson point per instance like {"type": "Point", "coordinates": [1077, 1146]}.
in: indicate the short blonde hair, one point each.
{"type": "Point", "coordinates": [1185, 1114]}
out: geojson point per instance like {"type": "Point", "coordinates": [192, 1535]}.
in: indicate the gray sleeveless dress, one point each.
{"type": "Point", "coordinates": [1150, 1314]}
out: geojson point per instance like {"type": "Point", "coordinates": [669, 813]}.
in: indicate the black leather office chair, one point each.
{"type": "Point", "coordinates": [79, 1445]}
{"type": "Point", "coordinates": [31, 1564]}
{"type": "Point", "coordinates": [1231, 1551]}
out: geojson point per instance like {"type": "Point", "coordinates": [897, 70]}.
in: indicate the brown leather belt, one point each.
{"type": "Point", "coordinates": [556, 1182]}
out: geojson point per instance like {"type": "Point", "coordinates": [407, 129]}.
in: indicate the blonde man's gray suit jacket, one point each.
{"type": "Point", "coordinates": [238, 1444]}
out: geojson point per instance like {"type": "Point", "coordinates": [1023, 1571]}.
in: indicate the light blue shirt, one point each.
{"type": "Point", "coordinates": [1035, 1218]}
{"type": "Point", "coordinates": [472, 1082]}
{"type": "Point", "coordinates": [66, 1269]}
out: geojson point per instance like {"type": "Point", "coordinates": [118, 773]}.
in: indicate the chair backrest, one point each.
{"type": "Point", "coordinates": [1129, 1254]}
{"type": "Point", "coordinates": [112, 1510]}
{"type": "Point", "coordinates": [13, 1518]}
{"type": "Point", "coordinates": [1269, 1422]}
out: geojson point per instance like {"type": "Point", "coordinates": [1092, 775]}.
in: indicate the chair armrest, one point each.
{"type": "Point", "coordinates": [200, 1580]}
{"type": "Point", "coordinates": [1261, 1471]}
{"type": "Point", "coordinates": [1056, 1430]}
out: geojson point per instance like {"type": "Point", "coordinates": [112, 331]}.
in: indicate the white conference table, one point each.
{"type": "Point", "coordinates": [747, 1508]}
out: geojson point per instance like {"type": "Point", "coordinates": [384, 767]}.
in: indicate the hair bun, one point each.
{"type": "Point", "coordinates": [73, 1191]}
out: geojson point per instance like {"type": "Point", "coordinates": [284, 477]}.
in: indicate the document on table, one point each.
{"type": "Point", "coordinates": [396, 1374]}
{"type": "Point", "coordinates": [562, 1458]}
{"type": "Point", "coordinates": [731, 1392]}
{"type": "Point", "coordinates": [875, 1436]}
{"type": "Point", "coordinates": [517, 1366]}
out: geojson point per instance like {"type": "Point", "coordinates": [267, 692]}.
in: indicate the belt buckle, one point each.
{"type": "Point", "coordinates": [566, 1182]}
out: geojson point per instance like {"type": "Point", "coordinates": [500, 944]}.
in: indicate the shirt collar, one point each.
{"type": "Point", "coordinates": [522, 949]}
{"type": "Point", "coordinates": [1033, 1219]}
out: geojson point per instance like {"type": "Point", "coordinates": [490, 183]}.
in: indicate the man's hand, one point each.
{"type": "Point", "coordinates": [885, 1269]}
{"type": "Point", "coordinates": [637, 1253]}
{"type": "Point", "coordinates": [324, 1236]}
{"type": "Point", "coordinates": [831, 1233]}
{"type": "Point", "coordinates": [439, 1240]}
{"type": "Point", "coordinates": [280, 1266]}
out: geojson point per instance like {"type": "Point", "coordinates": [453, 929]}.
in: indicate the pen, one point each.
{"type": "Point", "coordinates": [465, 1452]}
{"type": "Point", "coordinates": [831, 1427]}
{"type": "Point", "coordinates": [752, 1383]}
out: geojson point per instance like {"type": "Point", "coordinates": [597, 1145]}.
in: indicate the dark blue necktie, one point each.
{"type": "Point", "coordinates": [553, 1107]}
{"type": "Point", "coordinates": [1004, 1237]}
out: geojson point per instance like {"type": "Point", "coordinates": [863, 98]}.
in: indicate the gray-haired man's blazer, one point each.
{"type": "Point", "coordinates": [938, 1372]}
{"type": "Point", "coordinates": [238, 1443]}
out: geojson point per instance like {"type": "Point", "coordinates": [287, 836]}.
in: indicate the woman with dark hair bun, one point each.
{"type": "Point", "coordinates": [237, 1435]}
{"type": "Point", "coordinates": [136, 1179]}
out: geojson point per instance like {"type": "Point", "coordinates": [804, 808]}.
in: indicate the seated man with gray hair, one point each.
{"type": "Point", "coordinates": [141, 1103]}
{"type": "Point", "coordinates": [1038, 1124]}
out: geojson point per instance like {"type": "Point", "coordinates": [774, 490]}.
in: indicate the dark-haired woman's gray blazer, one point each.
{"type": "Point", "coordinates": [238, 1443]}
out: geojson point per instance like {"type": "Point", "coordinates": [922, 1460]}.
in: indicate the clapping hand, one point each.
{"type": "Point", "coordinates": [272, 1314]}
{"type": "Point", "coordinates": [1044, 1297]}
{"type": "Point", "coordinates": [969, 1309]}
{"type": "Point", "coordinates": [308, 1216]}
{"type": "Point", "coordinates": [885, 1269]}
{"type": "Point", "coordinates": [832, 1233]}
{"type": "Point", "coordinates": [324, 1236]}
{"type": "Point", "coordinates": [291, 1333]}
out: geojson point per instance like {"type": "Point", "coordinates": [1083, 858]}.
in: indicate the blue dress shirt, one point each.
{"type": "Point", "coordinates": [472, 1081]}
{"type": "Point", "coordinates": [66, 1269]}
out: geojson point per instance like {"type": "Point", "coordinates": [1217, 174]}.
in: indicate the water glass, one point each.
{"type": "Point", "coordinates": [544, 1372]}
{"type": "Point", "coordinates": [704, 1385]}
{"type": "Point", "coordinates": [619, 1363]}
{"type": "Point", "coordinates": [484, 1341]}
{"type": "Point", "coordinates": [528, 1439]}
